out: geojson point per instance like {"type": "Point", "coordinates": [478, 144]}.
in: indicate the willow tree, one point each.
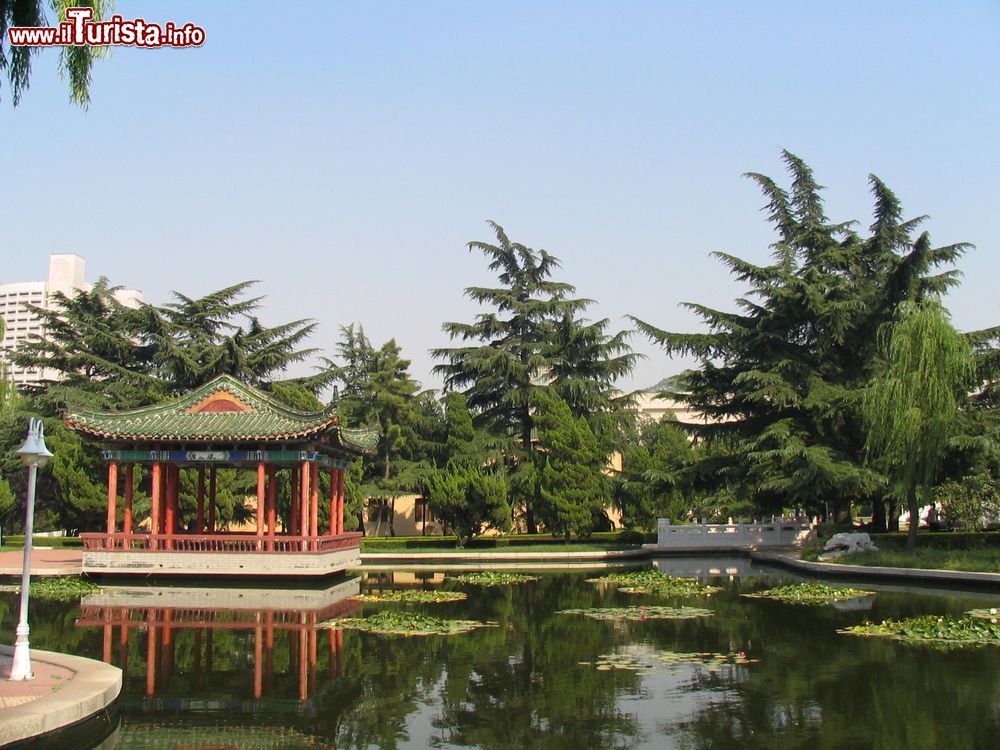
{"type": "Point", "coordinates": [75, 62]}
{"type": "Point", "coordinates": [911, 407]}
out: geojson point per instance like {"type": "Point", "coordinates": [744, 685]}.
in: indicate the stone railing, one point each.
{"type": "Point", "coordinates": [779, 532]}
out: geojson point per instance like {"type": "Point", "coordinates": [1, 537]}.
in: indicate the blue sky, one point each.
{"type": "Point", "coordinates": [345, 153]}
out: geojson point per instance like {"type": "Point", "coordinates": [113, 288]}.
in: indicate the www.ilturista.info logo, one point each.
{"type": "Point", "coordinates": [79, 31]}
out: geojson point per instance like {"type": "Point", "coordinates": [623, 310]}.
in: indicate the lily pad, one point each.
{"type": "Point", "coordinates": [62, 588]}
{"type": "Point", "coordinates": [992, 614]}
{"type": "Point", "coordinates": [493, 578]}
{"type": "Point", "coordinates": [809, 593]}
{"type": "Point", "coordinates": [405, 624]}
{"type": "Point", "coordinates": [670, 660]}
{"type": "Point", "coordinates": [640, 614]}
{"type": "Point", "coordinates": [413, 596]}
{"type": "Point", "coordinates": [655, 583]}
{"type": "Point", "coordinates": [933, 630]}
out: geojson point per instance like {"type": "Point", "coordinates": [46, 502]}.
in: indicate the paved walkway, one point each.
{"type": "Point", "coordinates": [48, 679]}
{"type": "Point", "coordinates": [65, 690]}
{"type": "Point", "coordinates": [45, 561]}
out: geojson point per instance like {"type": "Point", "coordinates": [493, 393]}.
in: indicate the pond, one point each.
{"type": "Point", "coordinates": [230, 668]}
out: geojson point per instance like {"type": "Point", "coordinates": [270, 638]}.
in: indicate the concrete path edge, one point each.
{"type": "Point", "coordinates": [93, 688]}
{"type": "Point", "coordinates": [871, 572]}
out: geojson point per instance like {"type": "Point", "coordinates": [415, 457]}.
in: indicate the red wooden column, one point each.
{"type": "Point", "coordinates": [151, 649]}
{"type": "Point", "coordinates": [271, 511]}
{"type": "Point", "coordinates": [109, 632]}
{"type": "Point", "coordinates": [211, 500]}
{"type": "Point", "coordinates": [293, 521]}
{"type": "Point", "coordinates": [170, 525]}
{"type": "Point", "coordinates": [123, 642]}
{"type": "Point", "coordinates": [333, 503]}
{"type": "Point", "coordinates": [261, 475]}
{"type": "Point", "coordinates": [129, 491]}
{"type": "Point", "coordinates": [340, 500]}
{"type": "Point", "coordinates": [314, 500]}
{"type": "Point", "coordinates": [303, 657]}
{"type": "Point", "coordinates": [258, 660]}
{"type": "Point", "coordinates": [154, 508]}
{"type": "Point", "coordinates": [199, 519]}
{"type": "Point", "coordinates": [112, 498]}
{"type": "Point", "coordinates": [304, 501]}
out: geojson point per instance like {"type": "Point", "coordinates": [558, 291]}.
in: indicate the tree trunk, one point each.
{"type": "Point", "coordinates": [529, 513]}
{"type": "Point", "coordinates": [878, 515]}
{"type": "Point", "coordinates": [911, 534]}
{"type": "Point", "coordinates": [892, 522]}
{"type": "Point", "coordinates": [392, 516]}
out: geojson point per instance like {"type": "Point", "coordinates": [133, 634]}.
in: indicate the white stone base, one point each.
{"type": "Point", "coordinates": [243, 564]}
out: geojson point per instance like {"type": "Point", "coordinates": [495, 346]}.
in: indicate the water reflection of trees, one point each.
{"type": "Point", "coordinates": [520, 684]}
{"type": "Point", "coordinates": [813, 690]}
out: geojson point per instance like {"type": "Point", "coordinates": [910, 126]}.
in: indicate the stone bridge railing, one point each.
{"type": "Point", "coordinates": [780, 532]}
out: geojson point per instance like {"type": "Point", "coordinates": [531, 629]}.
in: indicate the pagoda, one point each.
{"type": "Point", "coordinates": [224, 423]}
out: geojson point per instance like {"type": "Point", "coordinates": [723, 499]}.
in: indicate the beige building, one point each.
{"type": "Point", "coordinates": [66, 276]}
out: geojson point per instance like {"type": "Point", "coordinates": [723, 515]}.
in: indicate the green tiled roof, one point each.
{"type": "Point", "coordinates": [260, 419]}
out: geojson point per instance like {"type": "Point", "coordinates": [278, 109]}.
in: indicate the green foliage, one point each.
{"type": "Point", "coordinates": [413, 596]}
{"type": "Point", "coordinates": [572, 490]}
{"type": "Point", "coordinates": [655, 583]}
{"type": "Point", "coordinates": [406, 624]}
{"type": "Point", "coordinates": [933, 630]}
{"type": "Point", "coordinates": [75, 62]}
{"type": "Point", "coordinates": [911, 407]}
{"type": "Point", "coordinates": [672, 660]}
{"type": "Point", "coordinates": [468, 500]}
{"type": "Point", "coordinates": [532, 340]}
{"type": "Point", "coordinates": [651, 484]}
{"type": "Point", "coordinates": [809, 593]}
{"type": "Point", "coordinates": [109, 356]}
{"type": "Point", "coordinates": [982, 560]}
{"type": "Point", "coordinates": [640, 614]}
{"type": "Point", "coordinates": [62, 588]}
{"type": "Point", "coordinates": [493, 578]}
{"type": "Point", "coordinates": [966, 502]}
{"type": "Point", "coordinates": [376, 388]}
{"type": "Point", "coordinates": [779, 378]}
{"type": "Point", "coordinates": [7, 501]}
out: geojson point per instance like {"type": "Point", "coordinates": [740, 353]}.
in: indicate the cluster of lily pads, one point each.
{"type": "Point", "coordinates": [672, 660]}
{"type": "Point", "coordinates": [413, 596]}
{"type": "Point", "coordinates": [405, 624]}
{"type": "Point", "coordinates": [971, 630]}
{"type": "Point", "coordinates": [655, 583]}
{"type": "Point", "coordinates": [640, 614]}
{"type": "Point", "coordinates": [62, 588]}
{"type": "Point", "coordinates": [493, 578]}
{"type": "Point", "coordinates": [809, 593]}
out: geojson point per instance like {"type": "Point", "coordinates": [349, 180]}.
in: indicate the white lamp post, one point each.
{"type": "Point", "coordinates": [34, 454]}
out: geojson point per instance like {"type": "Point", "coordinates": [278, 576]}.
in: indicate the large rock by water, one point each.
{"type": "Point", "coordinates": [845, 544]}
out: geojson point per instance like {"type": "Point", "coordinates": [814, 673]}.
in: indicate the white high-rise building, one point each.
{"type": "Point", "coordinates": [66, 275]}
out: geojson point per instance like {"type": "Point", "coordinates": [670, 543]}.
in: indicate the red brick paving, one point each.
{"type": "Point", "coordinates": [48, 677]}
{"type": "Point", "coordinates": [44, 561]}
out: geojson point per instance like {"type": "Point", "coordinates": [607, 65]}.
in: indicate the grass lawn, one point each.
{"type": "Point", "coordinates": [980, 560]}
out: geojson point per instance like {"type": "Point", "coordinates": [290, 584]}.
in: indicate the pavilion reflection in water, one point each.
{"type": "Point", "coordinates": [196, 647]}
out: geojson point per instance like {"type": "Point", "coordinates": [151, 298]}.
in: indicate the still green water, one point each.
{"type": "Point", "coordinates": [250, 669]}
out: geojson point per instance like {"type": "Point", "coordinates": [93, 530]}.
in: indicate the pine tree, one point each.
{"type": "Point", "coordinates": [572, 490]}
{"type": "Point", "coordinates": [779, 379]}
{"type": "Point", "coordinates": [532, 340]}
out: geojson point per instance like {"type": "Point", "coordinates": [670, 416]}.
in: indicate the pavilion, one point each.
{"type": "Point", "coordinates": [224, 423]}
